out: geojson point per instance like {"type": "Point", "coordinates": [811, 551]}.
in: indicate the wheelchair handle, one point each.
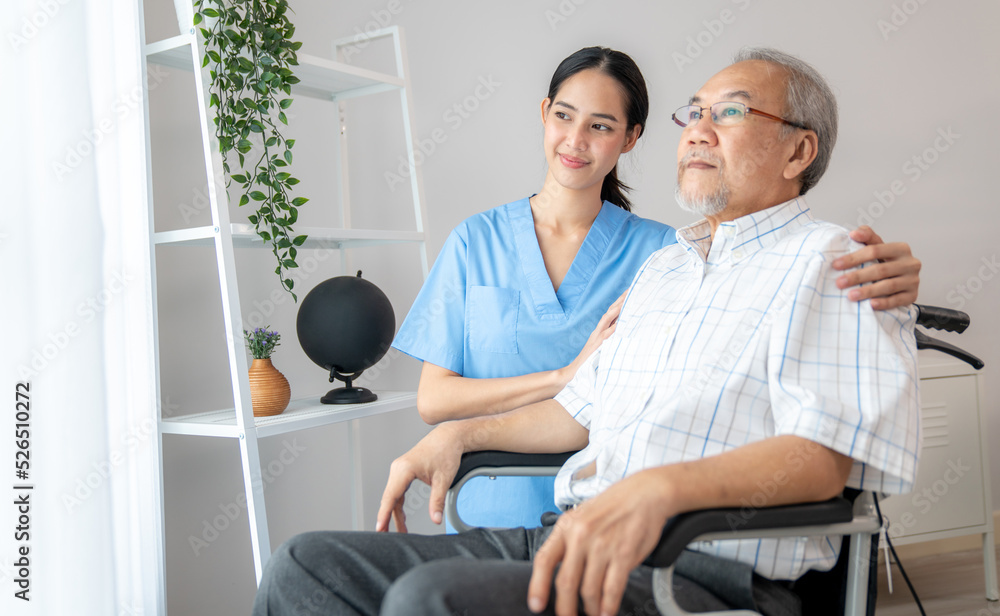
{"type": "Point", "coordinates": [936, 317]}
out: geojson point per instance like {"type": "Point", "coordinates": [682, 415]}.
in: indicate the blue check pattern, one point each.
{"type": "Point", "coordinates": [727, 342]}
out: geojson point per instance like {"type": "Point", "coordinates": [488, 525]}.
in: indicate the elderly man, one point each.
{"type": "Point", "coordinates": [736, 363]}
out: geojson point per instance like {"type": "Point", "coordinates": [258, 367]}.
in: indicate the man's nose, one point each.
{"type": "Point", "coordinates": [701, 132]}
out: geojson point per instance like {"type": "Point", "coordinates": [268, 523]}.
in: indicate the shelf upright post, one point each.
{"type": "Point", "coordinates": [416, 184]}
{"type": "Point", "coordinates": [417, 195]}
{"type": "Point", "coordinates": [238, 368]}
{"type": "Point", "coordinates": [161, 574]}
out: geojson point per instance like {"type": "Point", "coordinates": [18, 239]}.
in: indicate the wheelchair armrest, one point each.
{"type": "Point", "coordinates": [505, 459]}
{"type": "Point", "coordinates": [732, 523]}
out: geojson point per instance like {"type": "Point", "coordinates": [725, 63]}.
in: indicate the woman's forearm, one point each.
{"type": "Point", "coordinates": [444, 395]}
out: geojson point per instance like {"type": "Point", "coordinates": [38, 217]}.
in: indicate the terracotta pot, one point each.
{"type": "Point", "coordinates": [269, 390]}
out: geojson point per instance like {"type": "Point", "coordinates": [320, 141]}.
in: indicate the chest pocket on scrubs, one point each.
{"type": "Point", "coordinates": [492, 319]}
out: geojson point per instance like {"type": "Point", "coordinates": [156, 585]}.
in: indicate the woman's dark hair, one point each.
{"type": "Point", "coordinates": [622, 69]}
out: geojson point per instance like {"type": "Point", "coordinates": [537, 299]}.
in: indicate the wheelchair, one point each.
{"type": "Point", "coordinates": [847, 589]}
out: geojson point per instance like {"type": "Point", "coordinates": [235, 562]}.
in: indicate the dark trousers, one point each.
{"type": "Point", "coordinates": [480, 572]}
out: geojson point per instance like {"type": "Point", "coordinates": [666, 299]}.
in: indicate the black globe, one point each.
{"type": "Point", "coordinates": [346, 325]}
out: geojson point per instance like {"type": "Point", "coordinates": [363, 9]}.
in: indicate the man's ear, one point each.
{"type": "Point", "coordinates": [806, 148]}
{"type": "Point", "coordinates": [632, 138]}
{"type": "Point", "coordinates": [545, 108]}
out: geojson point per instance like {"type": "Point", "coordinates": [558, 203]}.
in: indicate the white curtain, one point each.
{"type": "Point", "coordinates": [74, 244]}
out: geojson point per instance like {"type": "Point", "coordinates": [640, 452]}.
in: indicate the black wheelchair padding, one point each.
{"type": "Point", "coordinates": [497, 459]}
{"type": "Point", "coordinates": [681, 530]}
{"type": "Point", "coordinates": [936, 317]}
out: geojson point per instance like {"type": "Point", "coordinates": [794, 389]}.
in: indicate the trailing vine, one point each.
{"type": "Point", "coordinates": [249, 44]}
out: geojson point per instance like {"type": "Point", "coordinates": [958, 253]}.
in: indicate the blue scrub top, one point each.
{"type": "Point", "coordinates": [488, 310]}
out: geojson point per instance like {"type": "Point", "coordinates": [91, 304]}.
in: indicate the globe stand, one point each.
{"type": "Point", "coordinates": [347, 394]}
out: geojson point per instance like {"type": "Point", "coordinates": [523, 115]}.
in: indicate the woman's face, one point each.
{"type": "Point", "coordinates": [585, 130]}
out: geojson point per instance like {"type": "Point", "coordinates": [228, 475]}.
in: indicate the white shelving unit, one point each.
{"type": "Point", "coordinates": [328, 80]}
{"type": "Point", "coordinates": [951, 495]}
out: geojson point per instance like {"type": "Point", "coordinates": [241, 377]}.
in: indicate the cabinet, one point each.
{"type": "Point", "coordinates": [951, 496]}
{"type": "Point", "coordinates": [332, 81]}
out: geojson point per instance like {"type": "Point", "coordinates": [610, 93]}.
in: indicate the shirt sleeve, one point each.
{"type": "Point", "coordinates": [434, 329]}
{"type": "Point", "coordinates": [844, 375]}
{"type": "Point", "coordinates": [578, 395]}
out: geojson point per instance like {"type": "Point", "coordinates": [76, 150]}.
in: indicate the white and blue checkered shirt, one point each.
{"type": "Point", "coordinates": [727, 342]}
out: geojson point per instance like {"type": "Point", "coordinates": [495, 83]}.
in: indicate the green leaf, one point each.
{"type": "Point", "coordinates": [244, 200]}
{"type": "Point", "coordinates": [284, 243]}
{"type": "Point", "coordinates": [253, 219]}
{"type": "Point", "coordinates": [292, 181]}
{"type": "Point", "coordinates": [284, 120]}
{"type": "Point", "coordinates": [258, 196]}
{"type": "Point", "coordinates": [243, 146]}
{"type": "Point", "coordinates": [281, 177]}
{"type": "Point", "coordinates": [300, 240]}
{"type": "Point", "coordinates": [297, 201]}
{"type": "Point", "coordinates": [210, 12]}
{"type": "Point", "coordinates": [277, 162]}
{"type": "Point", "coordinates": [197, 18]}
{"type": "Point", "coordinates": [267, 76]}
{"type": "Point", "coordinates": [292, 252]}
{"type": "Point", "coordinates": [290, 143]}
{"type": "Point", "coordinates": [239, 177]}
{"type": "Point", "coordinates": [264, 235]}
{"type": "Point", "coordinates": [289, 263]}
{"type": "Point", "coordinates": [271, 142]}
{"type": "Point", "coordinates": [288, 156]}
{"type": "Point", "coordinates": [289, 283]}
{"type": "Point", "coordinates": [285, 103]}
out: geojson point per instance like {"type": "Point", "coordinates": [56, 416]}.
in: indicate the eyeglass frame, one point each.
{"type": "Point", "coordinates": [749, 111]}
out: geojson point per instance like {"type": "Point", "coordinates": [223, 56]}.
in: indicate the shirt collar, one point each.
{"type": "Point", "coordinates": [738, 239]}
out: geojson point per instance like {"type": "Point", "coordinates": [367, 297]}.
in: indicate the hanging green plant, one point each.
{"type": "Point", "coordinates": [249, 44]}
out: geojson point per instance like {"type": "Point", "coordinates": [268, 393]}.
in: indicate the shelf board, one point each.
{"type": "Point", "coordinates": [301, 414]}
{"type": "Point", "coordinates": [318, 77]}
{"type": "Point", "coordinates": [244, 236]}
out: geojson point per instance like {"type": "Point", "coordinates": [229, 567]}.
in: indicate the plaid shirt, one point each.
{"type": "Point", "coordinates": [727, 342]}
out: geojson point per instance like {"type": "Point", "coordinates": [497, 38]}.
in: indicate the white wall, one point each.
{"type": "Point", "coordinates": [905, 73]}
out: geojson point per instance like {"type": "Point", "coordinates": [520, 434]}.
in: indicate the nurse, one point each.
{"type": "Point", "coordinates": [519, 295]}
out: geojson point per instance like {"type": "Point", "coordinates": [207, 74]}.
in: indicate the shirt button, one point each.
{"type": "Point", "coordinates": [737, 254]}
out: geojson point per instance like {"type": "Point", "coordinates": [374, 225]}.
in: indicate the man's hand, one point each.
{"type": "Point", "coordinates": [896, 275]}
{"type": "Point", "coordinates": [599, 543]}
{"type": "Point", "coordinates": [434, 460]}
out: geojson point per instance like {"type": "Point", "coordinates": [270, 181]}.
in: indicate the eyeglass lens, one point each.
{"type": "Point", "coordinates": [722, 113]}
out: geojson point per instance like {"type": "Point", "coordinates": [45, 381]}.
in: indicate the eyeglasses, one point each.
{"type": "Point", "coordinates": [725, 114]}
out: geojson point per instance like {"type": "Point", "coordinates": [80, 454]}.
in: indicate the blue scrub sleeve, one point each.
{"type": "Point", "coordinates": [434, 329]}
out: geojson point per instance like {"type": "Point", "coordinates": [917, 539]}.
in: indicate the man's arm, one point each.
{"type": "Point", "coordinates": [543, 427]}
{"type": "Point", "coordinates": [602, 540]}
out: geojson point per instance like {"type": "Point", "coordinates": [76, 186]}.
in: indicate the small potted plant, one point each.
{"type": "Point", "coordinates": [269, 389]}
